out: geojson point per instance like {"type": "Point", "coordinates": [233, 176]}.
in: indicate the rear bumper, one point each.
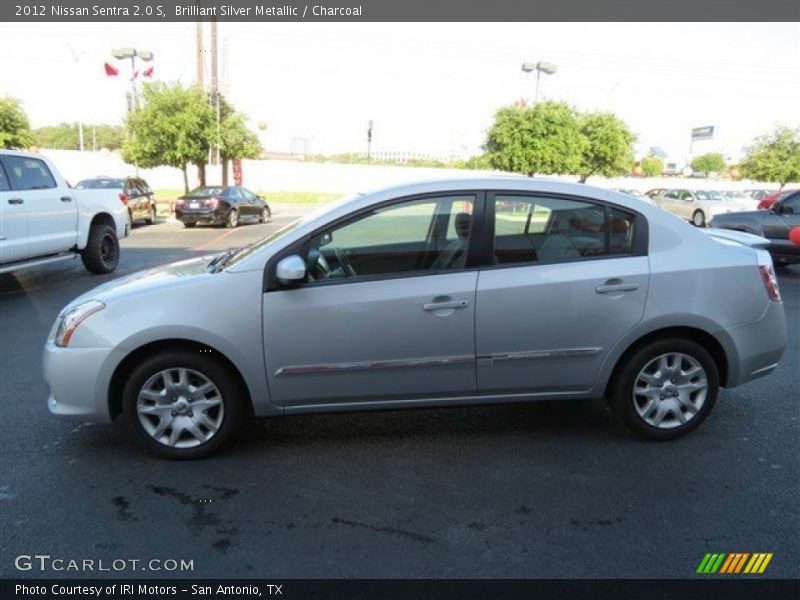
{"type": "Point", "coordinates": [201, 215]}
{"type": "Point", "coordinates": [757, 347]}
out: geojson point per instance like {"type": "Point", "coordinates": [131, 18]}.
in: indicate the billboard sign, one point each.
{"type": "Point", "coordinates": [703, 133]}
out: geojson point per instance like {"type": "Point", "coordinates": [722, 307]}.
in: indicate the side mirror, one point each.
{"type": "Point", "coordinates": [291, 270]}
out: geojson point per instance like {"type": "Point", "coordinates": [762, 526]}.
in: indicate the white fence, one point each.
{"type": "Point", "coordinates": [285, 175]}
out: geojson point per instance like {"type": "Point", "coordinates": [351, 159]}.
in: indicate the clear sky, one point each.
{"type": "Point", "coordinates": [430, 87]}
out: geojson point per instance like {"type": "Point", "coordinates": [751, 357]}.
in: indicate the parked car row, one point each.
{"type": "Point", "coordinates": [699, 206]}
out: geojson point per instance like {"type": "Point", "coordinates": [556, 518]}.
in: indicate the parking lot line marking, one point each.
{"type": "Point", "coordinates": [220, 237]}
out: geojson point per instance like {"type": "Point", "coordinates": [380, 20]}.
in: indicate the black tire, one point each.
{"type": "Point", "coordinates": [233, 219]}
{"type": "Point", "coordinates": [152, 218]}
{"type": "Point", "coordinates": [233, 398]}
{"type": "Point", "coordinates": [130, 219]}
{"type": "Point", "coordinates": [189, 224]}
{"type": "Point", "coordinates": [699, 218]}
{"type": "Point", "coordinates": [623, 402]}
{"type": "Point", "coordinates": [101, 254]}
{"type": "Point", "coordinates": [266, 215]}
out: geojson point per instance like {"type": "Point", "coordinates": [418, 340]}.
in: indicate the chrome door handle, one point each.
{"type": "Point", "coordinates": [15, 201]}
{"type": "Point", "coordinates": [617, 287]}
{"type": "Point", "coordinates": [431, 306]}
{"type": "Point", "coordinates": [66, 199]}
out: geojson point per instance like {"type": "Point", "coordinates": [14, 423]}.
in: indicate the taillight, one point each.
{"type": "Point", "coordinates": [767, 273]}
{"type": "Point", "coordinates": [179, 203]}
{"type": "Point", "coordinates": [123, 197]}
{"type": "Point", "coordinates": [212, 203]}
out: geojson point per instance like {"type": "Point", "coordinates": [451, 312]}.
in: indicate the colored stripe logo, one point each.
{"type": "Point", "coordinates": [734, 562]}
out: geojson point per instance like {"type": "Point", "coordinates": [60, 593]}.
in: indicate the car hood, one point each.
{"type": "Point", "coordinates": [149, 280]}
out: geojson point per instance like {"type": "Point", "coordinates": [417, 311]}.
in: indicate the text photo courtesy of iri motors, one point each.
{"type": "Point", "coordinates": [390, 301]}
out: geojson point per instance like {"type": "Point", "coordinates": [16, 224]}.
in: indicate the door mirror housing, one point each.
{"type": "Point", "coordinates": [291, 271]}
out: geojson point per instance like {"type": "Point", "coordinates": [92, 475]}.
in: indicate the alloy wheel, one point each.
{"type": "Point", "coordinates": [180, 408]}
{"type": "Point", "coordinates": [670, 390]}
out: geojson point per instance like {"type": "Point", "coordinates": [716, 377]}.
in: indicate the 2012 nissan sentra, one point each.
{"type": "Point", "coordinates": [432, 294]}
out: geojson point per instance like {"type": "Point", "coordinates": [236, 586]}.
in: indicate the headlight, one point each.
{"type": "Point", "coordinates": [68, 322]}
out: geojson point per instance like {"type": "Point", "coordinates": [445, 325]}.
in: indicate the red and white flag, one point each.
{"type": "Point", "coordinates": [111, 71]}
{"type": "Point", "coordinates": [148, 72]}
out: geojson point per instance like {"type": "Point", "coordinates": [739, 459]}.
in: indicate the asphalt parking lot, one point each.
{"type": "Point", "coordinates": [536, 490]}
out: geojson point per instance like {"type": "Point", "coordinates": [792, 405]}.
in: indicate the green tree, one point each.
{"type": "Point", "coordinates": [15, 130]}
{"type": "Point", "coordinates": [65, 136]}
{"type": "Point", "coordinates": [608, 145]}
{"type": "Point", "coordinates": [543, 138]}
{"type": "Point", "coordinates": [652, 166]}
{"type": "Point", "coordinates": [237, 141]}
{"type": "Point", "coordinates": [774, 157]}
{"type": "Point", "coordinates": [713, 162]}
{"type": "Point", "coordinates": [173, 128]}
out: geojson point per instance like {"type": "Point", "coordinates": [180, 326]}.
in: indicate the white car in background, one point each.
{"type": "Point", "coordinates": [699, 206]}
{"type": "Point", "coordinates": [44, 220]}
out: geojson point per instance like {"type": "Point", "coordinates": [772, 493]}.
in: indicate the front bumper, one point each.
{"type": "Point", "coordinates": [78, 381]}
{"type": "Point", "coordinates": [757, 346]}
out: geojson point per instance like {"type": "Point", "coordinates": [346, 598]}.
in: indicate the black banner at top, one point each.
{"type": "Point", "coordinates": [397, 10]}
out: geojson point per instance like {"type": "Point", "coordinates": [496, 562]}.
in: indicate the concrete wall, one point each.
{"type": "Point", "coordinates": [280, 175]}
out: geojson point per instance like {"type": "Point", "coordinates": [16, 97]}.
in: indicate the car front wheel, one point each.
{"type": "Point", "coordinates": [266, 214]}
{"type": "Point", "coordinates": [699, 218]}
{"type": "Point", "coordinates": [151, 216]}
{"type": "Point", "coordinates": [665, 389]}
{"type": "Point", "coordinates": [182, 405]}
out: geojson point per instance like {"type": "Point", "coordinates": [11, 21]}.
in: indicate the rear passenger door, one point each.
{"type": "Point", "coordinates": [568, 278]}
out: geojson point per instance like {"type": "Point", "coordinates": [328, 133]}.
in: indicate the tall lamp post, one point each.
{"type": "Point", "coordinates": [540, 67]}
{"type": "Point", "coordinates": [132, 54]}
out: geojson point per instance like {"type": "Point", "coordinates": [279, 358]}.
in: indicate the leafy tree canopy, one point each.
{"type": "Point", "coordinates": [544, 138]}
{"type": "Point", "coordinates": [652, 166]}
{"type": "Point", "coordinates": [774, 157]}
{"type": "Point", "coordinates": [607, 147]}
{"type": "Point", "coordinates": [65, 136]}
{"type": "Point", "coordinates": [15, 130]}
{"type": "Point", "coordinates": [713, 162]}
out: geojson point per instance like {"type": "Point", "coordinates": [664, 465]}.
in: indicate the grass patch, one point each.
{"type": "Point", "coordinates": [168, 195]}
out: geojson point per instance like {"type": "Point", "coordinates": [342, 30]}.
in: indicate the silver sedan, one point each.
{"type": "Point", "coordinates": [433, 294]}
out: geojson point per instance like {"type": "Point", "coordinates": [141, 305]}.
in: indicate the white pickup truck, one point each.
{"type": "Point", "coordinates": [43, 220]}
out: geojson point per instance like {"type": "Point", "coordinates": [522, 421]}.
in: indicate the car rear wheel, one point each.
{"type": "Point", "coordinates": [699, 218]}
{"type": "Point", "coordinates": [101, 254]}
{"type": "Point", "coordinates": [233, 219]}
{"type": "Point", "coordinates": [182, 405]}
{"type": "Point", "coordinates": [189, 224]}
{"type": "Point", "coordinates": [266, 215]}
{"type": "Point", "coordinates": [665, 389]}
{"type": "Point", "coordinates": [152, 216]}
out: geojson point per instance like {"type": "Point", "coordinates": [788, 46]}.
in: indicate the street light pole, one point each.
{"type": "Point", "coordinates": [540, 67]}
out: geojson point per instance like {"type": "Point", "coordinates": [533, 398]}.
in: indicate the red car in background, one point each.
{"type": "Point", "coordinates": [768, 201]}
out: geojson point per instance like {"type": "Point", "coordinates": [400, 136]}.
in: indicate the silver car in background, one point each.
{"type": "Point", "coordinates": [433, 294]}
{"type": "Point", "coordinates": [699, 206]}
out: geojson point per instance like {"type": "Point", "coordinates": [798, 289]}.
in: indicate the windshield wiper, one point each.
{"type": "Point", "coordinates": [215, 266]}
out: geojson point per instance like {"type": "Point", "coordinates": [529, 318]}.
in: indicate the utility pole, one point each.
{"type": "Point", "coordinates": [215, 86]}
{"type": "Point", "coordinates": [369, 140]}
{"type": "Point", "coordinates": [200, 50]}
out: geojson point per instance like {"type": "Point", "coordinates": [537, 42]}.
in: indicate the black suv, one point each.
{"type": "Point", "coordinates": [133, 192]}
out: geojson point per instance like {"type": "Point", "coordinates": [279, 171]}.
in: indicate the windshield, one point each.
{"type": "Point", "coordinates": [205, 192]}
{"type": "Point", "coordinates": [99, 184]}
{"type": "Point", "coordinates": [251, 249]}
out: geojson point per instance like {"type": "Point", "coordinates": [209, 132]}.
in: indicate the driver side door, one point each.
{"type": "Point", "coordinates": [382, 318]}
